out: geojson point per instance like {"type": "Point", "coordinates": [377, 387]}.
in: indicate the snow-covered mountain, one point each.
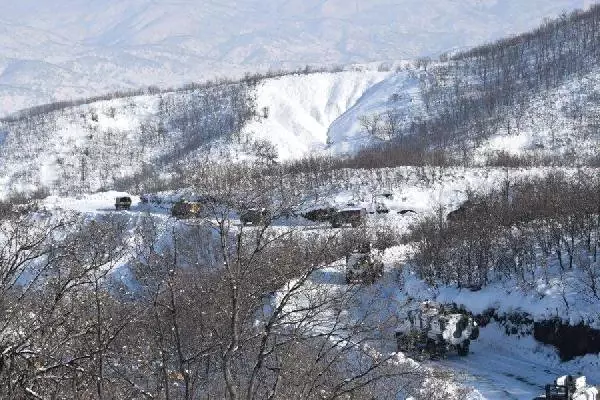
{"type": "Point", "coordinates": [75, 48]}
{"type": "Point", "coordinates": [501, 226]}
{"type": "Point", "coordinates": [296, 115]}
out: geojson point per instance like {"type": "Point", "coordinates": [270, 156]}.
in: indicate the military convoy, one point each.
{"type": "Point", "coordinates": [432, 331]}
{"type": "Point", "coordinates": [569, 388]}
{"type": "Point", "coordinates": [364, 265]}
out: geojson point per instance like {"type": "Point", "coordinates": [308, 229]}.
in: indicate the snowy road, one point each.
{"type": "Point", "coordinates": [499, 372]}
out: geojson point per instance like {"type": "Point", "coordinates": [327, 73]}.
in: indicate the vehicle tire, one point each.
{"type": "Point", "coordinates": [463, 348]}
{"type": "Point", "coordinates": [405, 344]}
{"type": "Point", "coordinates": [400, 341]}
{"type": "Point", "coordinates": [349, 277]}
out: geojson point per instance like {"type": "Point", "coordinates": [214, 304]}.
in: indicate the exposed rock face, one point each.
{"type": "Point", "coordinates": [571, 341]}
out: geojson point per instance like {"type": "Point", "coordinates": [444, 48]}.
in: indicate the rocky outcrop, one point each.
{"type": "Point", "coordinates": [570, 340]}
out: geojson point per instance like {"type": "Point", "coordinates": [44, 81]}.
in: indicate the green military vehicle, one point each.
{"type": "Point", "coordinates": [353, 216]}
{"type": "Point", "coordinates": [123, 203]}
{"type": "Point", "coordinates": [186, 209]}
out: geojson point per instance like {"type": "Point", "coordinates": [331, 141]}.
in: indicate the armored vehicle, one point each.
{"type": "Point", "coordinates": [381, 208]}
{"type": "Point", "coordinates": [354, 216]}
{"type": "Point", "coordinates": [569, 388]}
{"type": "Point", "coordinates": [186, 209]}
{"type": "Point", "coordinates": [256, 216]}
{"type": "Point", "coordinates": [123, 203]}
{"type": "Point", "coordinates": [380, 202]}
{"type": "Point", "coordinates": [320, 214]}
{"type": "Point", "coordinates": [431, 331]}
{"type": "Point", "coordinates": [363, 265]}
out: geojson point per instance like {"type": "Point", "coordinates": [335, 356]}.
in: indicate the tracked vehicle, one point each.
{"type": "Point", "coordinates": [256, 216]}
{"type": "Point", "coordinates": [432, 331]}
{"type": "Point", "coordinates": [570, 388]}
{"type": "Point", "coordinates": [364, 265]}
{"type": "Point", "coordinates": [186, 209]}
{"type": "Point", "coordinates": [353, 216]}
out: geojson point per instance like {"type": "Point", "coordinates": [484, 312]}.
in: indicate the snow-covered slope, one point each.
{"type": "Point", "coordinates": [560, 122]}
{"type": "Point", "coordinates": [308, 112]}
{"type": "Point", "coordinates": [90, 47]}
{"type": "Point", "coordinates": [300, 114]}
{"type": "Point", "coordinates": [399, 93]}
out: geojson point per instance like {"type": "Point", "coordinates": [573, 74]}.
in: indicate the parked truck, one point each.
{"type": "Point", "coordinates": [256, 216]}
{"type": "Point", "coordinates": [186, 209]}
{"type": "Point", "coordinates": [123, 203]}
{"type": "Point", "coordinates": [353, 216]}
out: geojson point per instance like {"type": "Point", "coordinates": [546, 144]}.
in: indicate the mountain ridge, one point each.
{"type": "Point", "coordinates": [109, 45]}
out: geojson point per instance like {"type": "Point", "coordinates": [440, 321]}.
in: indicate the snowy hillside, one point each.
{"type": "Point", "coordinates": [300, 114]}
{"type": "Point", "coordinates": [301, 109]}
{"type": "Point", "coordinates": [77, 48]}
{"type": "Point", "coordinates": [95, 145]}
{"type": "Point", "coordinates": [561, 122]}
{"type": "Point", "coordinates": [499, 366]}
{"type": "Point", "coordinates": [322, 112]}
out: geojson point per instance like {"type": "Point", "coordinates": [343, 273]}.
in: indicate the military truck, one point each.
{"type": "Point", "coordinates": [123, 203]}
{"type": "Point", "coordinates": [186, 209]}
{"type": "Point", "coordinates": [431, 331]}
{"type": "Point", "coordinates": [256, 216]}
{"type": "Point", "coordinates": [364, 265]}
{"type": "Point", "coordinates": [319, 214]}
{"type": "Point", "coordinates": [569, 388]}
{"type": "Point", "coordinates": [354, 216]}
